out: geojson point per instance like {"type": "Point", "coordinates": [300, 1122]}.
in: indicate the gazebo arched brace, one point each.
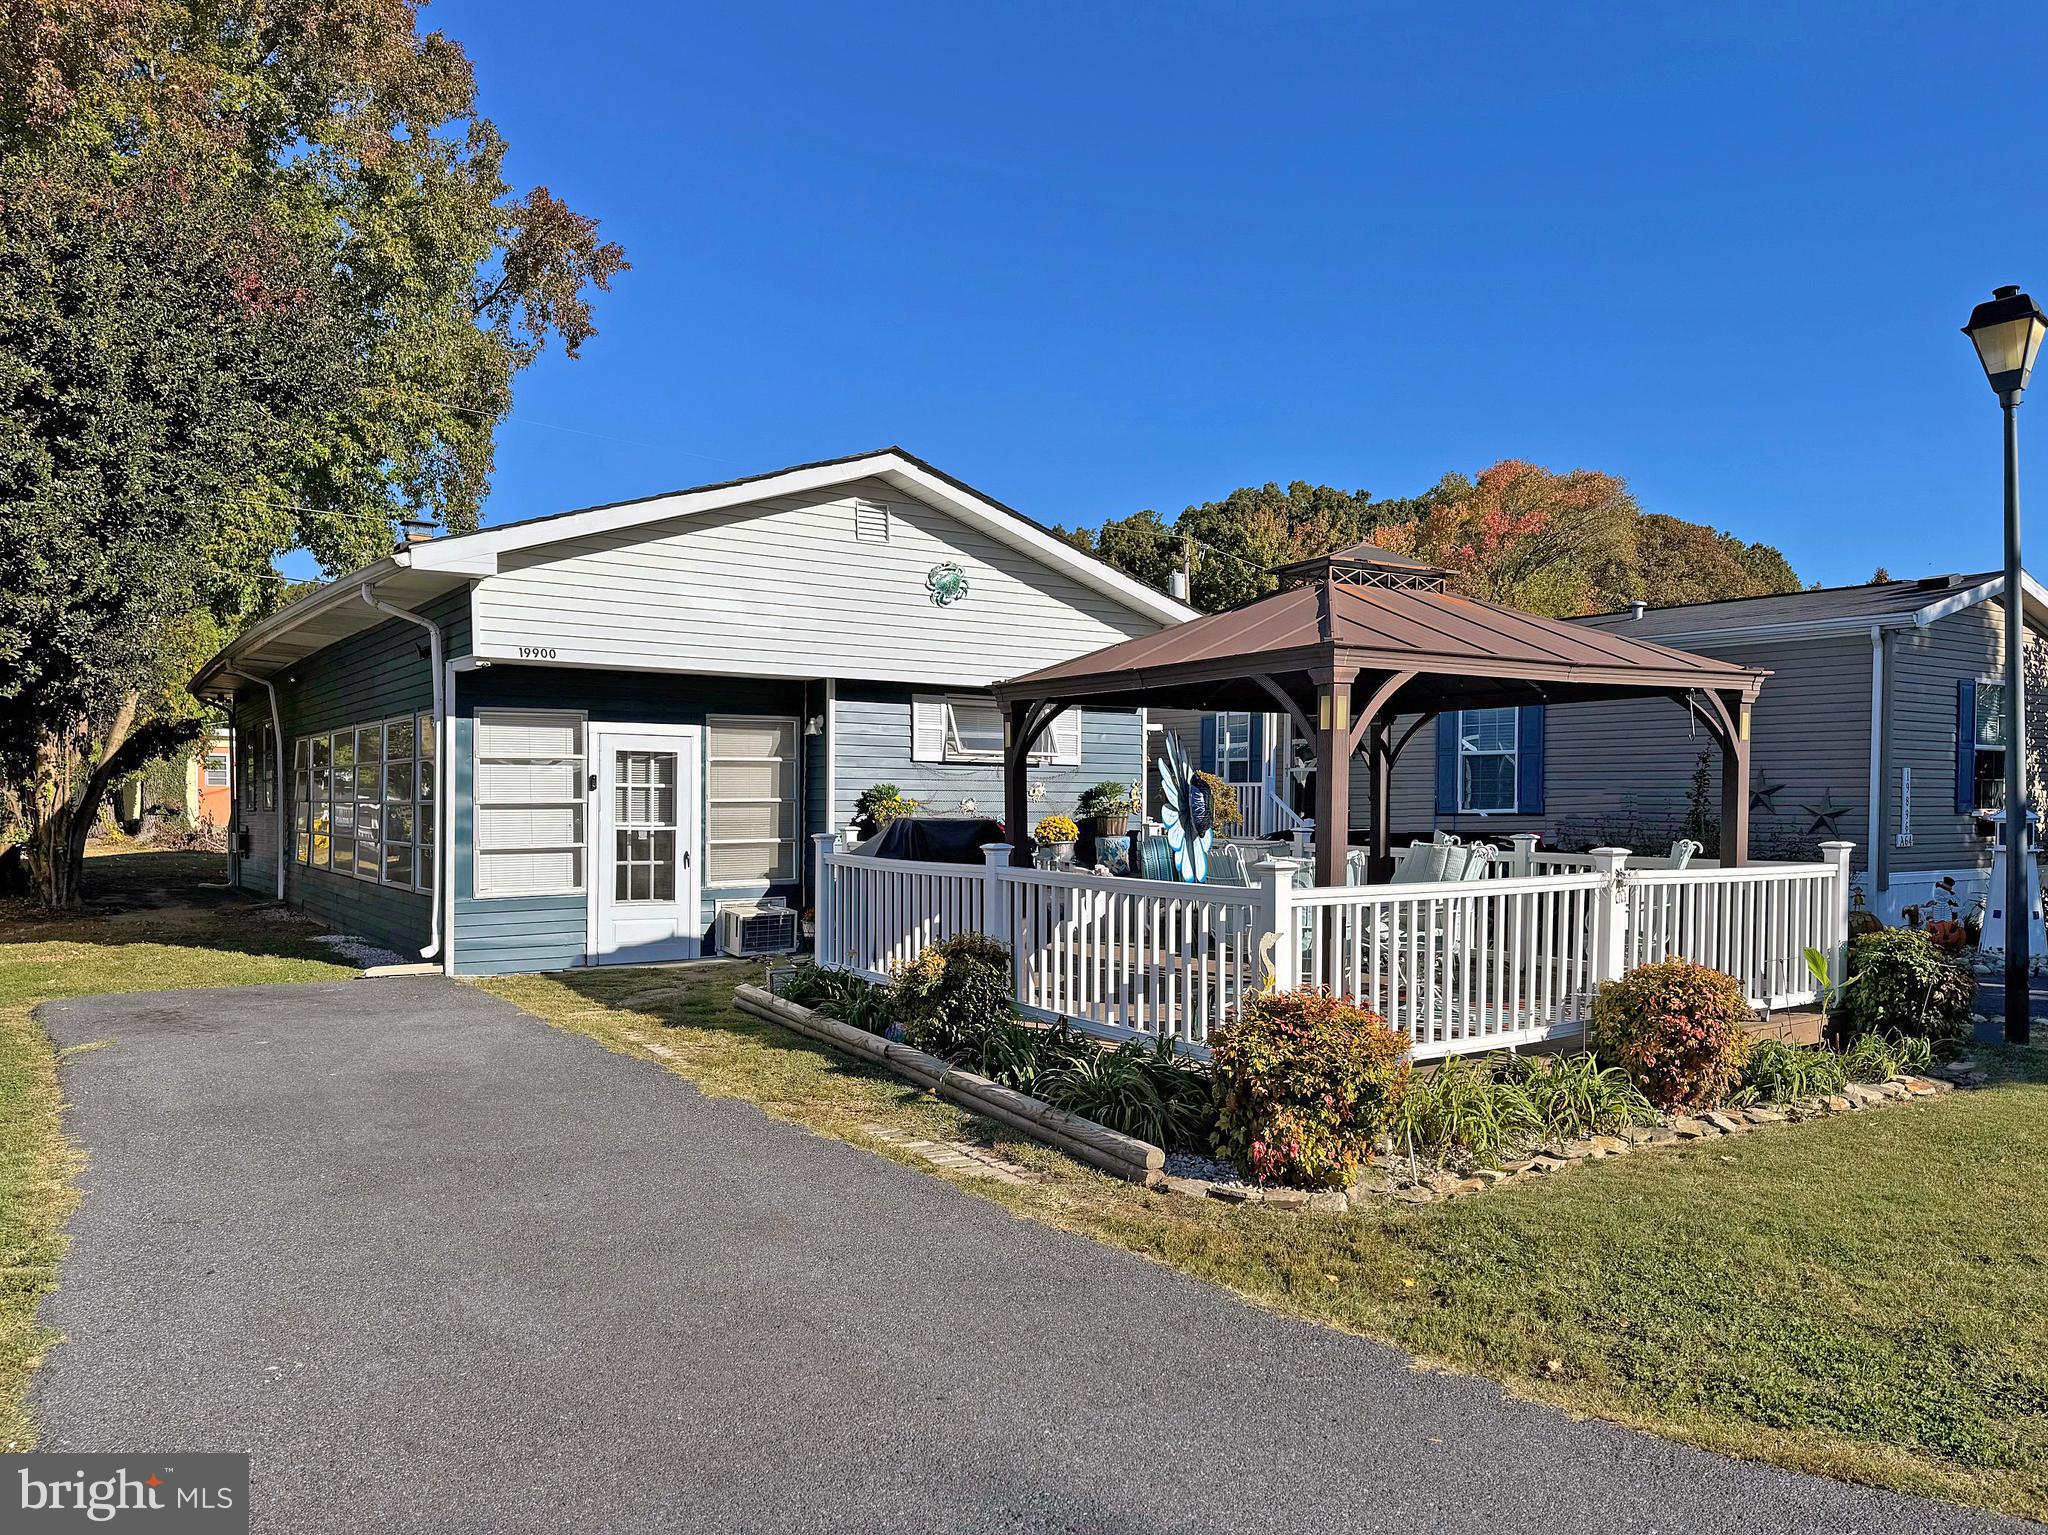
{"type": "Point", "coordinates": [1729, 727]}
{"type": "Point", "coordinates": [1023, 723]}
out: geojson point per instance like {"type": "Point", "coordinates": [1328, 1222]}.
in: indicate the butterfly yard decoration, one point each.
{"type": "Point", "coordinates": [1185, 813]}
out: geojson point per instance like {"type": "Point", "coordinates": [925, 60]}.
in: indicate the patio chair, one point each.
{"type": "Point", "coordinates": [1428, 863]}
{"type": "Point", "coordinates": [1683, 851]}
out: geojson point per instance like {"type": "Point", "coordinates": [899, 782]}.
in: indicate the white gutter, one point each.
{"type": "Point", "coordinates": [280, 786]}
{"type": "Point", "coordinates": [433, 629]}
{"type": "Point", "coordinates": [1876, 754]}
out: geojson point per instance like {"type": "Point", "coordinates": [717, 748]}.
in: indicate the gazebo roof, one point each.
{"type": "Point", "coordinates": [1464, 652]}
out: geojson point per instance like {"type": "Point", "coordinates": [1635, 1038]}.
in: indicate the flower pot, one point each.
{"type": "Point", "coordinates": [1063, 851]}
{"type": "Point", "coordinates": [1112, 825]}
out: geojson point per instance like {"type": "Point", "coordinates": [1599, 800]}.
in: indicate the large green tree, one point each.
{"type": "Point", "coordinates": [263, 286]}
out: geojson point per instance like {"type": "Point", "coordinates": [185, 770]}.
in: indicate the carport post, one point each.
{"type": "Point", "coordinates": [824, 844]}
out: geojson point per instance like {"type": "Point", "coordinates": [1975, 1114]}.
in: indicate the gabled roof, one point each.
{"type": "Point", "coordinates": [1820, 610]}
{"type": "Point", "coordinates": [420, 571]}
{"type": "Point", "coordinates": [1454, 643]}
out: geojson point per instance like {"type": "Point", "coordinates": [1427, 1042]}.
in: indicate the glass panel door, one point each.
{"type": "Point", "coordinates": [644, 826]}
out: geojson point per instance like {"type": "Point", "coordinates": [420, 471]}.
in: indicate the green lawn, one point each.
{"type": "Point", "coordinates": [172, 932]}
{"type": "Point", "coordinates": [1858, 1296]}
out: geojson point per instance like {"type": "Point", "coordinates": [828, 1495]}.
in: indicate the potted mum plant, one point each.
{"type": "Point", "coordinates": [1056, 834]}
{"type": "Point", "coordinates": [1110, 806]}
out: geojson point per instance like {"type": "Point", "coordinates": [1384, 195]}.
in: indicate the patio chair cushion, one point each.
{"type": "Point", "coordinates": [1425, 863]}
{"type": "Point", "coordinates": [1154, 860]}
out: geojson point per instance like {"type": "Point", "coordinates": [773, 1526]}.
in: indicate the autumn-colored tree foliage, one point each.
{"type": "Point", "coordinates": [1517, 534]}
{"type": "Point", "coordinates": [263, 286]}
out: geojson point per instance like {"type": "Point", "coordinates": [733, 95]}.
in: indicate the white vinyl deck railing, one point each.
{"type": "Point", "coordinates": [1480, 965]}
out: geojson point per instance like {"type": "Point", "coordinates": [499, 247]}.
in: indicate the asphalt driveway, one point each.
{"type": "Point", "coordinates": [439, 1266]}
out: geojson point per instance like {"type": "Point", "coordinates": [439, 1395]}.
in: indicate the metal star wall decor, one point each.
{"type": "Point", "coordinates": [1825, 815]}
{"type": "Point", "coordinates": [1763, 795]}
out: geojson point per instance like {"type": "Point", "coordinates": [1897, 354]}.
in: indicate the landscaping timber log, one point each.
{"type": "Point", "coordinates": [1084, 1140]}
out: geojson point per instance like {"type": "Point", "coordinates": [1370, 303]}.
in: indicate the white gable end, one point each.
{"type": "Point", "coordinates": [827, 583]}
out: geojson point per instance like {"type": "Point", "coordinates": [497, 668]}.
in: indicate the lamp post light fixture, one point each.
{"type": "Point", "coordinates": [2007, 332]}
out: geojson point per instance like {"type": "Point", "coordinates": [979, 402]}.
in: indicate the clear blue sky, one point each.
{"type": "Point", "coordinates": [1092, 258]}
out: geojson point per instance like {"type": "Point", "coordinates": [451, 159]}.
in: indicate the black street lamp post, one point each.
{"type": "Point", "coordinates": [2007, 332]}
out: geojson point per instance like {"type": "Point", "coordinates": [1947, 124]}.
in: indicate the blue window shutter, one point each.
{"type": "Point", "coordinates": [1529, 760]}
{"type": "Point", "coordinates": [1966, 747]}
{"type": "Point", "coordinates": [1447, 762]}
{"type": "Point", "coordinates": [1208, 743]}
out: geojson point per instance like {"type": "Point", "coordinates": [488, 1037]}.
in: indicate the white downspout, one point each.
{"type": "Point", "coordinates": [433, 948]}
{"type": "Point", "coordinates": [1876, 822]}
{"type": "Point", "coordinates": [279, 786]}
{"type": "Point", "coordinates": [444, 817]}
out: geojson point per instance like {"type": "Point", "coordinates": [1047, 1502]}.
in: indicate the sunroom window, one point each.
{"type": "Point", "coordinates": [530, 804]}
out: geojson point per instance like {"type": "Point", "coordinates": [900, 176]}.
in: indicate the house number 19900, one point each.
{"type": "Point", "coordinates": [536, 652]}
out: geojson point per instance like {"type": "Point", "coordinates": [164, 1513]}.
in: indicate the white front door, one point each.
{"type": "Point", "coordinates": [644, 892]}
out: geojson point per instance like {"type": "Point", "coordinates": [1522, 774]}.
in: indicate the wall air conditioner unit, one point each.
{"type": "Point", "coordinates": [748, 928]}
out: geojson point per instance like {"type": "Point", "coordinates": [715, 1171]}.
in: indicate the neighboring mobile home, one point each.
{"type": "Point", "coordinates": [637, 711]}
{"type": "Point", "coordinates": [1882, 724]}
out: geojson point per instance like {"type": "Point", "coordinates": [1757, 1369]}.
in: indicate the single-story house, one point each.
{"type": "Point", "coordinates": [634, 712]}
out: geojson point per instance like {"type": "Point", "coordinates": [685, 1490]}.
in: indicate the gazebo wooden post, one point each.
{"type": "Point", "coordinates": [1016, 775]}
{"type": "Point", "coordinates": [1333, 771]}
{"type": "Point", "coordinates": [1735, 784]}
{"type": "Point", "coordinates": [1380, 754]}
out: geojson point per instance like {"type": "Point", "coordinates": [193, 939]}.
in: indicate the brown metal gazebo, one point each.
{"type": "Point", "coordinates": [1360, 639]}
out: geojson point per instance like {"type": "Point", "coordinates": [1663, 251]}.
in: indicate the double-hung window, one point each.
{"type": "Point", "coordinates": [1486, 760]}
{"type": "Point", "coordinates": [1987, 755]}
{"type": "Point", "coordinates": [750, 801]}
{"type": "Point", "coordinates": [1234, 748]}
{"type": "Point", "coordinates": [963, 729]}
{"type": "Point", "coordinates": [530, 803]}
{"type": "Point", "coordinates": [259, 780]}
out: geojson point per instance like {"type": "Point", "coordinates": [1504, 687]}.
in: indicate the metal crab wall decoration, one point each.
{"type": "Point", "coordinates": [947, 583]}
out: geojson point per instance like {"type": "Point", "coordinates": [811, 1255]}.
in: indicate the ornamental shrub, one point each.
{"type": "Point", "coordinates": [1899, 980]}
{"type": "Point", "coordinates": [1676, 1029]}
{"type": "Point", "coordinates": [1304, 1083]}
{"type": "Point", "coordinates": [948, 998]}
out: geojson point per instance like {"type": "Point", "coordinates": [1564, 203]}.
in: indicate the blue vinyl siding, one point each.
{"type": "Point", "coordinates": [874, 747]}
{"type": "Point", "coordinates": [367, 677]}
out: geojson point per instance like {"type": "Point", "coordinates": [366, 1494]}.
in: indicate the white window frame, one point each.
{"type": "Point", "coordinates": [1513, 755]}
{"type": "Point", "coordinates": [207, 770]}
{"type": "Point", "coordinates": [1228, 744]}
{"type": "Point", "coordinates": [795, 797]}
{"type": "Point", "coordinates": [1052, 750]}
{"type": "Point", "coordinates": [479, 855]}
{"type": "Point", "coordinates": [305, 807]}
{"type": "Point", "coordinates": [1980, 746]}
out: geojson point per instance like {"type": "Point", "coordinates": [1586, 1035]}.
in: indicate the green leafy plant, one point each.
{"type": "Point", "coordinates": [1188, 1090]}
{"type": "Point", "coordinates": [878, 805]}
{"type": "Point", "coordinates": [1574, 1095]}
{"type": "Point", "coordinates": [839, 995]}
{"type": "Point", "coordinates": [1109, 798]}
{"type": "Point", "coordinates": [1870, 1058]}
{"type": "Point", "coordinates": [1676, 1029]}
{"type": "Point", "coordinates": [1113, 1088]}
{"type": "Point", "coordinates": [952, 994]}
{"type": "Point", "coordinates": [1463, 1106]}
{"type": "Point", "coordinates": [1305, 1081]}
{"type": "Point", "coordinates": [1777, 1072]}
{"type": "Point", "coordinates": [1900, 980]}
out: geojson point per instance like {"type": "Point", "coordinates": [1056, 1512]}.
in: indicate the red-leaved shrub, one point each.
{"type": "Point", "coordinates": [1304, 1081]}
{"type": "Point", "coordinates": [1676, 1029]}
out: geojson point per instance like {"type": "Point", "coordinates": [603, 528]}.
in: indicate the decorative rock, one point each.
{"type": "Point", "coordinates": [1470, 1186]}
{"type": "Point", "coordinates": [1659, 1135]}
{"type": "Point", "coordinates": [1919, 1087]}
{"type": "Point", "coordinates": [1835, 1103]}
{"type": "Point", "coordinates": [1862, 1093]}
{"type": "Point", "coordinates": [1285, 1199]}
{"type": "Point", "coordinates": [1489, 1175]}
{"type": "Point", "coordinates": [1198, 1187]}
{"type": "Point", "coordinates": [1414, 1195]}
{"type": "Point", "coordinates": [1546, 1164]}
{"type": "Point", "coordinates": [1442, 1182]}
{"type": "Point", "coordinates": [1691, 1129]}
{"type": "Point", "coordinates": [1726, 1123]}
{"type": "Point", "coordinates": [1329, 1202]}
{"type": "Point", "coordinates": [1608, 1145]}
{"type": "Point", "coordinates": [1767, 1116]}
{"type": "Point", "coordinates": [1232, 1193]}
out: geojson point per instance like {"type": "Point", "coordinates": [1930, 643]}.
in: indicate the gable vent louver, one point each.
{"type": "Point", "coordinates": [871, 522]}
